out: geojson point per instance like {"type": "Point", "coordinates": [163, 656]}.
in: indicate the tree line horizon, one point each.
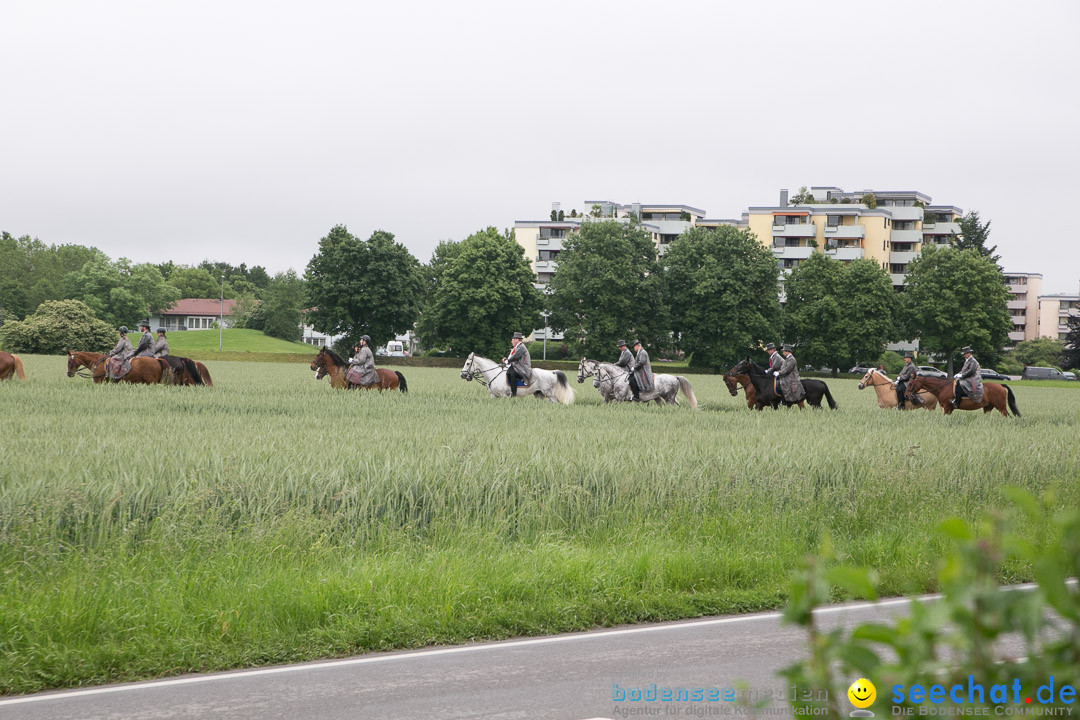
{"type": "Point", "coordinates": [713, 296]}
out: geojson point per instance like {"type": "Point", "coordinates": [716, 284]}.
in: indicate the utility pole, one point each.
{"type": "Point", "coordinates": [221, 315]}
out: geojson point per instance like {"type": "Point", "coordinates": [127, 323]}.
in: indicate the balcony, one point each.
{"type": "Point", "coordinates": [902, 212]}
{"type": "Point", "coordinates": [845, 253]}
{"type": "Point", "coordinates": [845, 232]}
{"type": "Point", "coordinates": [897, 278]}
{"type": "Point", "coordinates": [1017, 289]}
{"type": "Point", "coordinates": [906, 236]}
{"type": "Point", "coordinates": [902, 258]}
{"type": "Point", "coordinates": [1020, 320]}
{"type": "Point", "coordinates": [1016, 304]}
{"type": "Point", "coordinates": [793, 253]}
{"type": "Point", "coordinates": [803, 230]}
{"type": "Point", "coordinates": [544, 266]}
{"type": "Point", "coordinates": [1017, 336]}
{"type": "Point", "coordinates": [549, 243]}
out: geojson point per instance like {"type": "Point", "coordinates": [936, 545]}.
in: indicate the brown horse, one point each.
{"type": "Point", "coordinates": [11, 366]}
{"type": "Point", "coordinates": [328, 362]}
{"type": "Point", "coordinates": [733, 382]}
{"type": "Point", "coordinates": [995, 395]}
{"type": "Point", "coordinates": [144, 370]}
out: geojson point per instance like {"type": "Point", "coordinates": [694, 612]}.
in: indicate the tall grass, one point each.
{"type": "Point", "coordinates": [154, 530]}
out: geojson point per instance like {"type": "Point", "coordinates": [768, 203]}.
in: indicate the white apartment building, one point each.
{"type": "Point", "coordinates": [1055, 312]}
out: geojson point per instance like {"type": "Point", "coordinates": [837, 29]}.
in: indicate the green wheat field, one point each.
{"type": "Point", "coordinates": [150, 531]}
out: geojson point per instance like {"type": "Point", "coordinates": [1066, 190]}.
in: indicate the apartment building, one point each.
{"type": "Point", "coordinates": [842, 226]}
{"type": "Point", "coordinates": [1024, 291]}
{"type": "Point", "coordinates": [1054, 314]}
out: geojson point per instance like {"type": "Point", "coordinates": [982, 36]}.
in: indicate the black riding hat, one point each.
{"type": "Point", "coordinates": [909, 354]}
{"type": "Point", "coordinates": [161, 330]}
{"type": "Point", "coordinates": [621, 343]}
{"type": "Point", "coordinates": [123, 330]}
{"type": "Point", "coordinates": [965, 350]}
{"type": "Point", "coordinates": [365, 338]}
{"type": "Point", "coordinates": [770, 346]}
{"type": "Point", "coordinates": [145, 324]}
{"type": "Point", "coordinates": [518, 336]}
{"type": "Point", "coordinates": [787, 347]}
{"type": "Point", "coordinates": [635, 342]}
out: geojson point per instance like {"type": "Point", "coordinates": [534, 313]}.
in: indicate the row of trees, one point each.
{"type": "Point", "coordinates": [713, 296]}
{"type": "Point", "coordinates": [120, 292]}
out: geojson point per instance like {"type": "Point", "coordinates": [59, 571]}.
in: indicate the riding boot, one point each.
{"type": "Point", "coordinates": [637, 398]}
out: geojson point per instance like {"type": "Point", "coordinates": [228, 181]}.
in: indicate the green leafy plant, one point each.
{"type": "Point", "coordinates": [943, 641]}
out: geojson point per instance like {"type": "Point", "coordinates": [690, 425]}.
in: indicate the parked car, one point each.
{"type": "Point", "coordinates": [860, 369]}
{"type": "Point", "coordinates": [927, 371]}
{"type": "Point", "coordinates": [988, 374]}
{"type": "Point", "coordinates": [1043, 373]}
{"type": "Point", "coordinates": [1069, 375]}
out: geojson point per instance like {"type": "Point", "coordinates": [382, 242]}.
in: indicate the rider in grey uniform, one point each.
{"type": "Point", "coordinates": [519, 364]}
{"type": "Point", "coordinates": [641, 379]}
{"type": "Point", "coordinates": [970, 384]}
{"type": "Point", "coordinates": [122, 350]}
{"type": "Point", "coordinates": [787, 376]}
{"type": "Point", "coordinates": [626, 360]}
{"type": "Point", "coordinates": [161, 346]}
{"type": "Point", "coordinates": [365, 360]}
{"type": "Point", "coordinates": [775, 358]}
{"type": "Point", "coordinates": [145, 348]}
{"type": "Point", "coordinates": [907, 374]}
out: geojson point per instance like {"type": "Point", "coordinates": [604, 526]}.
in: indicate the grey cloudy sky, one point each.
{"type": "Point", "coordinates": [243, 131]}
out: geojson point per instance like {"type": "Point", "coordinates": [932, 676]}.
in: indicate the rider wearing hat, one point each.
{"type": "Point", "coordinates": [161, 346]}
{"type": "Point", "coordinates": [145, 348]}
{"type": "Point", "coordinates": [626, 360]}
{"type": "Point", "coordinates": [641, 377]}
{"type": "Point", "coordinates": [775, 358]}
{"type": "Point", "coordinates": [970, 384]}
{"type": "Point", "coordinates": [364, 361]}
{"type": "Point", "coordinates": [519, 364]}
{"type": "Point", "coordinates": [122, 351]}
{"type": "Point", "coordinates": [788, 381]}
{"type": "Point", "coordinates": [907, 374]}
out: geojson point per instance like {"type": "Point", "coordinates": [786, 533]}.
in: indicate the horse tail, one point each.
{"type": "Point", "coordinates": [563, 392]}
{"type": "Point", "coordinates": [828, 396]}
{"type": "Point", "coordinates": [18, 367]}
{"type": "Point", "coordinates": [687, 391]}
{"type": "Point", "coordinates": [204, 374]}
{"type": "Point", "coordinates": [1012, 400]}
{"type": "Point", "coordinates": [192, 370]}
{"type": "Point", "coordinates": [402, 385]}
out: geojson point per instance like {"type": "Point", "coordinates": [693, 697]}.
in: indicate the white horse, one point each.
{"type": "Point", "coordinates": [613, 382]}
{"type": "Point", "coordinates": [552, 385]}
{"type": "Point", "coordinates": [886, 392]}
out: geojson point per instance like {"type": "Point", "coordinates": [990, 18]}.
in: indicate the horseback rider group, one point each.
{"type": "Point", "coordinates": [785, 369]}
{"type": "Point", "coordinates": [518, 364]}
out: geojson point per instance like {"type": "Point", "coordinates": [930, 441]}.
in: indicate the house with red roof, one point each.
{"type": "Point", "coordinates": [194, 314]}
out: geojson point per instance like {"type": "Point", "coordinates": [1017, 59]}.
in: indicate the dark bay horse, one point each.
{"type": "Point", "coordinates": [328, 362]}
{"type": "Point", "coordinates": [762, 382]}
{"type": "Point", "coordinates": [995, 395]}
{"type": "Point", "coordinates": [11, 366]}
{"type": "Point", "coordinates": [186, 371]}
{"type": "Point", "coordinates": [144, 370]}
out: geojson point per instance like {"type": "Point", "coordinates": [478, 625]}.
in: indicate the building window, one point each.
{"type": "Point", "coordinates": [552, 232]}
{"type": "Point", "coordinates": [544, 277]}
{"type": "Point", "coordinates": [547, 255]}
{"type": "Point", "coordinates": [794, 242]}
{"type": "Point", "coordinates": [897, 268]}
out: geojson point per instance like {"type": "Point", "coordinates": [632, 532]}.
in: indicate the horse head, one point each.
{"type": "Point", "coordinates": [467, 372]}
{"type": "Point", "coordinates": [73, 364]}
{"type": "Point", "coordinates": [732, 386]}
{"type": "Point", "coordinates": [916, 385]}
{"type": "Point", "coordinates": [868, 378]}
{"type": "Point", "coordinates": [740, 368]}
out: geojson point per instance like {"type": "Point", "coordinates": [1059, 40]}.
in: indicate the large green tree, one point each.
{"type": "Point", "coordinates": [32, 272]}
{"type": "Point", "coordinates": [58, 325]}
{"type": "Point", "coordinates": [954, 298]}
{"type": "Point", "coordinates": [480, 291]}
{"type": "Point", "coordinates": [197, 282]}
{"type": "Point", "coordinates": [1070, 357]}
{"type": "Point", "coordinates": [607, 287]}
{"type": "Point", "coordinates": [359, 287]}
{"type": "Point", "coordinates": [118, 292]}
{"type": "Point", "coordinates": [839, 314]}
{"type": "Point", "coordinates": [721, 288]}
{"type": "Point", "coordinates": [1042, 351]}
{"type": "Point", "coordinates": [974, 235]}
{"type": "Point", "coordinates": [283, 299]}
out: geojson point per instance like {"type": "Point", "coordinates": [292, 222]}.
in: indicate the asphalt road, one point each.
{"type": "Point", "coordinates": [570, 677]}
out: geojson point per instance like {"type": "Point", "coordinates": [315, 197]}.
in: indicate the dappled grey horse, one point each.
{"type": "Point", "coordinates": [549, 384]}
{"type": "Point", "coordinates": [613, 382]}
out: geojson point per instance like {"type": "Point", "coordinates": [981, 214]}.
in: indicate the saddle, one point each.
{"type": "Point", "coordinates": [354, 375]}
{"type": "Point", "coordinates": [118, 368]}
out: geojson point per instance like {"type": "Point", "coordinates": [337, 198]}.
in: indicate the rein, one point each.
{"type": "Point", "coordinates": [478, 375]}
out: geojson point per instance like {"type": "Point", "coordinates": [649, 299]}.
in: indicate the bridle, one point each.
{"type": "Point", "coordinates": [470, 373]}
{"type": "Point", "coordinates": [83, 370]}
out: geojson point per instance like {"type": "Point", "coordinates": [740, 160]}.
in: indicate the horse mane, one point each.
{"type": "Point", "coordinates": [334, 357]}
{"type": "Point", "coordinates": [934, 383]}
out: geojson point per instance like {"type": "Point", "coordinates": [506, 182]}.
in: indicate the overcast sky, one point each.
{"type": "Point", "coordinates": [243, 131]}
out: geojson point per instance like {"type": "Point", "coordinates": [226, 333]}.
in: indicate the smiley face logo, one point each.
{"type": "Point", "coordinates": [862, 693]}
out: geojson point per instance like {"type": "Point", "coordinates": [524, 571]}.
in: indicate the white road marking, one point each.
{"type": "Point", "coordinates": [64, 695]}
